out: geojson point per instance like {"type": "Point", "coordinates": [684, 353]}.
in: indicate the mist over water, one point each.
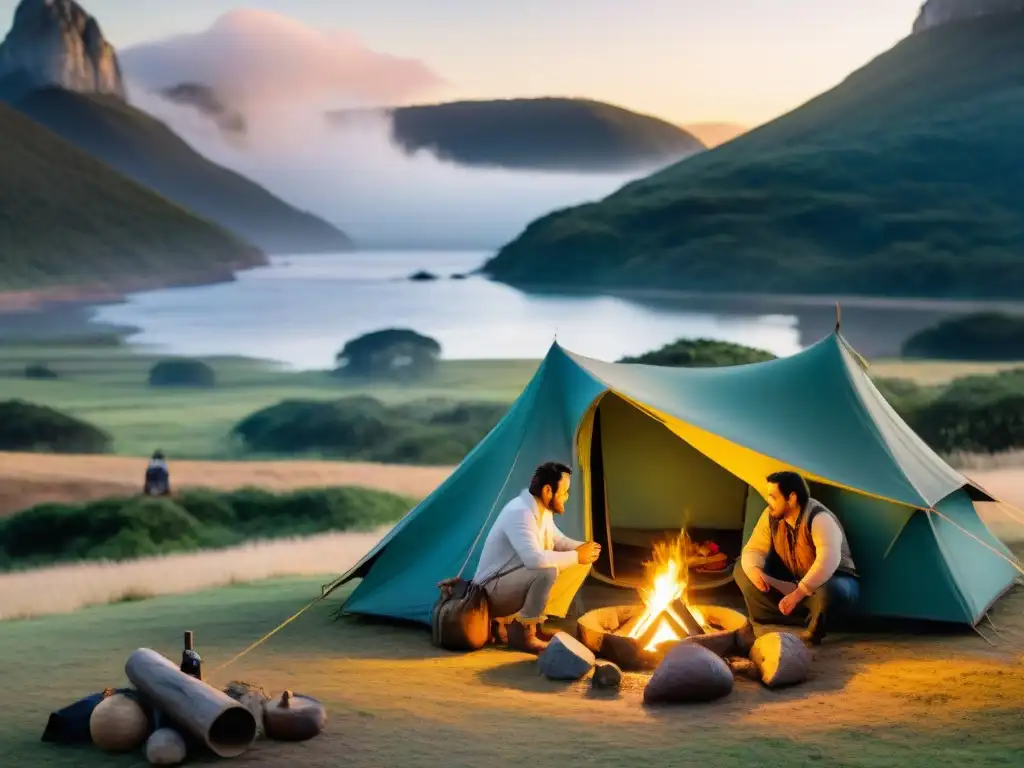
{"type": "Point", "coordinates": [355, 177]}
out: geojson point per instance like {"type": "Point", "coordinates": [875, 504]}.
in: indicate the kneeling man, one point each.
{"type": "Point", "coordinates": [797, 567]}
{"type": "Point", "coordinates": [549, 567]}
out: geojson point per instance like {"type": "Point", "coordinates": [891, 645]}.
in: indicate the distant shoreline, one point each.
{"type": "Point", "coordinates": [67, 311]}
{"type": "Point", "coordinates": [748, 300]}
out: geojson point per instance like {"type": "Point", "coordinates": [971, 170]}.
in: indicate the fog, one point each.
{"type": "Point", "coordinates": [350, 174]}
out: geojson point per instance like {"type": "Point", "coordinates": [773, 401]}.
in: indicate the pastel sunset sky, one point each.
{"type": "Point", "coordinates": [743, 61]}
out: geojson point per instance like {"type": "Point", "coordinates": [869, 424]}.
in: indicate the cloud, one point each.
{"type": "Point", "coordinates": [258, 58]}
{"type": "Point", "coordinates": [283, 77]}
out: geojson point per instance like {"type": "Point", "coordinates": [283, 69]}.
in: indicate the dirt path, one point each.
{"type": "Point", "coordinates": [27, 479]}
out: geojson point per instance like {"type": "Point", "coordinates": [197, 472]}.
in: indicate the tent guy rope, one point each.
{"type": "Point", "coordinates": [267, 636]}
{"type": "Point", "coordinates": [987, 546]}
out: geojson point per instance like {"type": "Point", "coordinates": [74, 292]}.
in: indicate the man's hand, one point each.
{"type": "Point", "coordinates": [588, 552]}
{"type": "Point", "coordinates": [790, 602]}
{"type": "Point", "coordinates": [758, 580]}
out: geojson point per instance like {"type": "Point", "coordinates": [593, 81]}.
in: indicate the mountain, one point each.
{"type": "Point", "coordinates": [935, 13]}
{"type": "Point", "coordinates": [66, 219]}
{"type": "Point", "coordinates": [902, 180]}
{"type": "Point", "coordinates": [56, 67]}
{"type": "Point", "coordinates": [713, 134]}
{"type": "Point", "coordinates": [55, 42]}
{"type": "Point", "coordinates": [548, 134]}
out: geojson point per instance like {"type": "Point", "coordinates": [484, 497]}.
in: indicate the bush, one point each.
{"type": "Point", "coordinates": [362, 428]}
{"type": "Point", "coordinates": [904, 395]}
{"type": "Point", "coordinates": [122, 528]}
{"type": "Point", "coordinates": [392, 353]}
{"type": "Point", "coordinates": [181, 372]}
{"type": "Point", "coordinates": [30, 427]}
{"type": "Point", "coordinates": [982, 336]}
{"type": "Point", "coordinates": [40, 371]}
{"type": "Point", "coordinates": [701, 353]}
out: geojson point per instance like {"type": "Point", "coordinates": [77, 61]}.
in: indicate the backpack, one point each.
{"type": "Point", "coordinates": [461, 618]}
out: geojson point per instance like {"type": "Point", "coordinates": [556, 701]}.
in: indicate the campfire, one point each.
{"type": "Point", "coordinates": [667, 617]}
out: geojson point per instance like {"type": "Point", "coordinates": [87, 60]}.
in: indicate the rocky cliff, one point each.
{"type": "Point", "coordinates": [57, 43]}
{"type": "Point", "coordinates": [936, 13]}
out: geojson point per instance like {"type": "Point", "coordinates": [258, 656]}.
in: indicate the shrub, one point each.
{"type": "Point", "coordinates": [904, 395]}
{"type": "Point", "coordinates": [390, 353]}
{"type": "Point", "coordinates": [30, 427]}
{"type": "Point", "coordinates": [295, 426]}
{"type": "Point", "coordinates": [701, 353]}
{"type": "Point", "coordinates": [121, 528]}
{"type": "Point", "coordinates": [980, 336]}
{"type": "Point", "coordinates": [39, 371]}
{"type": "Point", "coordinates": [422, 432]}
{"type": "Point", "coordinates": [181, 372]}
{"type": "Point", "coordinates": [951, 425]}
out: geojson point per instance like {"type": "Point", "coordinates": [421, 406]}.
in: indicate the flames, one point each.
{"type": "Point", "coordinates": [666, 573]}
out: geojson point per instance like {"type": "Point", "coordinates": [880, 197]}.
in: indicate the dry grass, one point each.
{"type": "Point", "coordinates": [67, 588]}
{"type": "Point", "coordinates": [969, 462]}
{"type": "Point", "coordinates": [941, 701]}
{"type": "Point", "coordinates": [937, 371]}
{"type": "Point", "coordinates": [27, 479]}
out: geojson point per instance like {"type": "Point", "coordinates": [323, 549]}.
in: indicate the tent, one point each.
{"type": "Point", "coordinates": [655, 448]}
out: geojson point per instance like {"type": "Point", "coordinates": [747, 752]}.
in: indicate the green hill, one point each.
{"type": "Point", "coordinates": [904, 180]}
{"type": "Point", "coordinates": [66, 218]}
{"type": "Point", "coordinates": [539, 134]}
{"type": "Point", "coordinates": [144, 149]}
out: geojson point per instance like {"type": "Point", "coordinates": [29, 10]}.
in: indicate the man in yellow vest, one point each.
{"type": "Point", "coordinates": [797, 567]}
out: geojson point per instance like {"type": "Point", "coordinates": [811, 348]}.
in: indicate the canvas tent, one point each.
{"type": "Point", "coordinates": [655, 448]}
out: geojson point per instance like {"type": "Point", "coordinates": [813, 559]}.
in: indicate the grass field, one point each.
{"type": "Point", "coordinates": [392, 699]}
{"type": "Point", "coordinates": [106, 385]}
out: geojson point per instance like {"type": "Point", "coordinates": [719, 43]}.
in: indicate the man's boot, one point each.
{"type": "Point", "coordinates": [543, 635]}
{"type": "Point", "coordinates": [499, 635]}
{"type": "Point", "coordinates": [523, 637]}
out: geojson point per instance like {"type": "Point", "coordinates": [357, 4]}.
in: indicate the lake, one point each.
{"type": "Point", "coordinates": [300, 310]}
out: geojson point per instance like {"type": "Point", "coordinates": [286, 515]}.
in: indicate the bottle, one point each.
{"type": "Point", "coordinates": [191, 664]}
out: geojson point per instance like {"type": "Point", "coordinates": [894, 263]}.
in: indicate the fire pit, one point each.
{"type": "Point", "coordinates": [638, 636]}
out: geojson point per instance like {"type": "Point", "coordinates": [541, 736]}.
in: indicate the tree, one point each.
{"type": "Point", "coordinates": [978, 336]}
{"type": "Point", "coordinates": [390, 353]}
{"type": "Point", "coordinates": [701, 353]}
{"type": "Point", "coordinates": [30, 427]}
{"type": "Point", "coordinates": [181, 373]}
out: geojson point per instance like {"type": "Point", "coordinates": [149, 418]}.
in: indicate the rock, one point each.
{"type": "Point", "coordinates": [56, 43]}
{"type": "Point", "coordinates": [689, 673]}
{"type": "Point", "coordinates": [745, 638]}
{"type": "Point", "coordinates": [781, 658]}
{"type": "Point", "coordinates": [565, 658]}
{"type": "Point", "coordinates": [743, 667]}
{"type": "Point", "coordinates": [422, 276]}
{"type": "Point", "coordinates": [937, 13]}
{"type": "Point", "coordinates": [252, 697]}
{"type": "Point", "coordinates": [721, 642]}
{"type": "Point", "coordinates": [207, 101]}
{"type": "Point", "coordinates": [118, 724]}
{"type": "Point", "coordinates": [166, 747]}
{"type": "Point", "coordinates": [606, 675]}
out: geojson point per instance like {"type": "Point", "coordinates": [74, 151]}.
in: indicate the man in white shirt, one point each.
{"type": "Point", "coordinates": [797, 566]}
{"type": "Point", "coordinates": [539, 569]}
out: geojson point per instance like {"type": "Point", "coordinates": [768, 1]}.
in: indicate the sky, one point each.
{"type": "Point", "coordinates": [743, 61]}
